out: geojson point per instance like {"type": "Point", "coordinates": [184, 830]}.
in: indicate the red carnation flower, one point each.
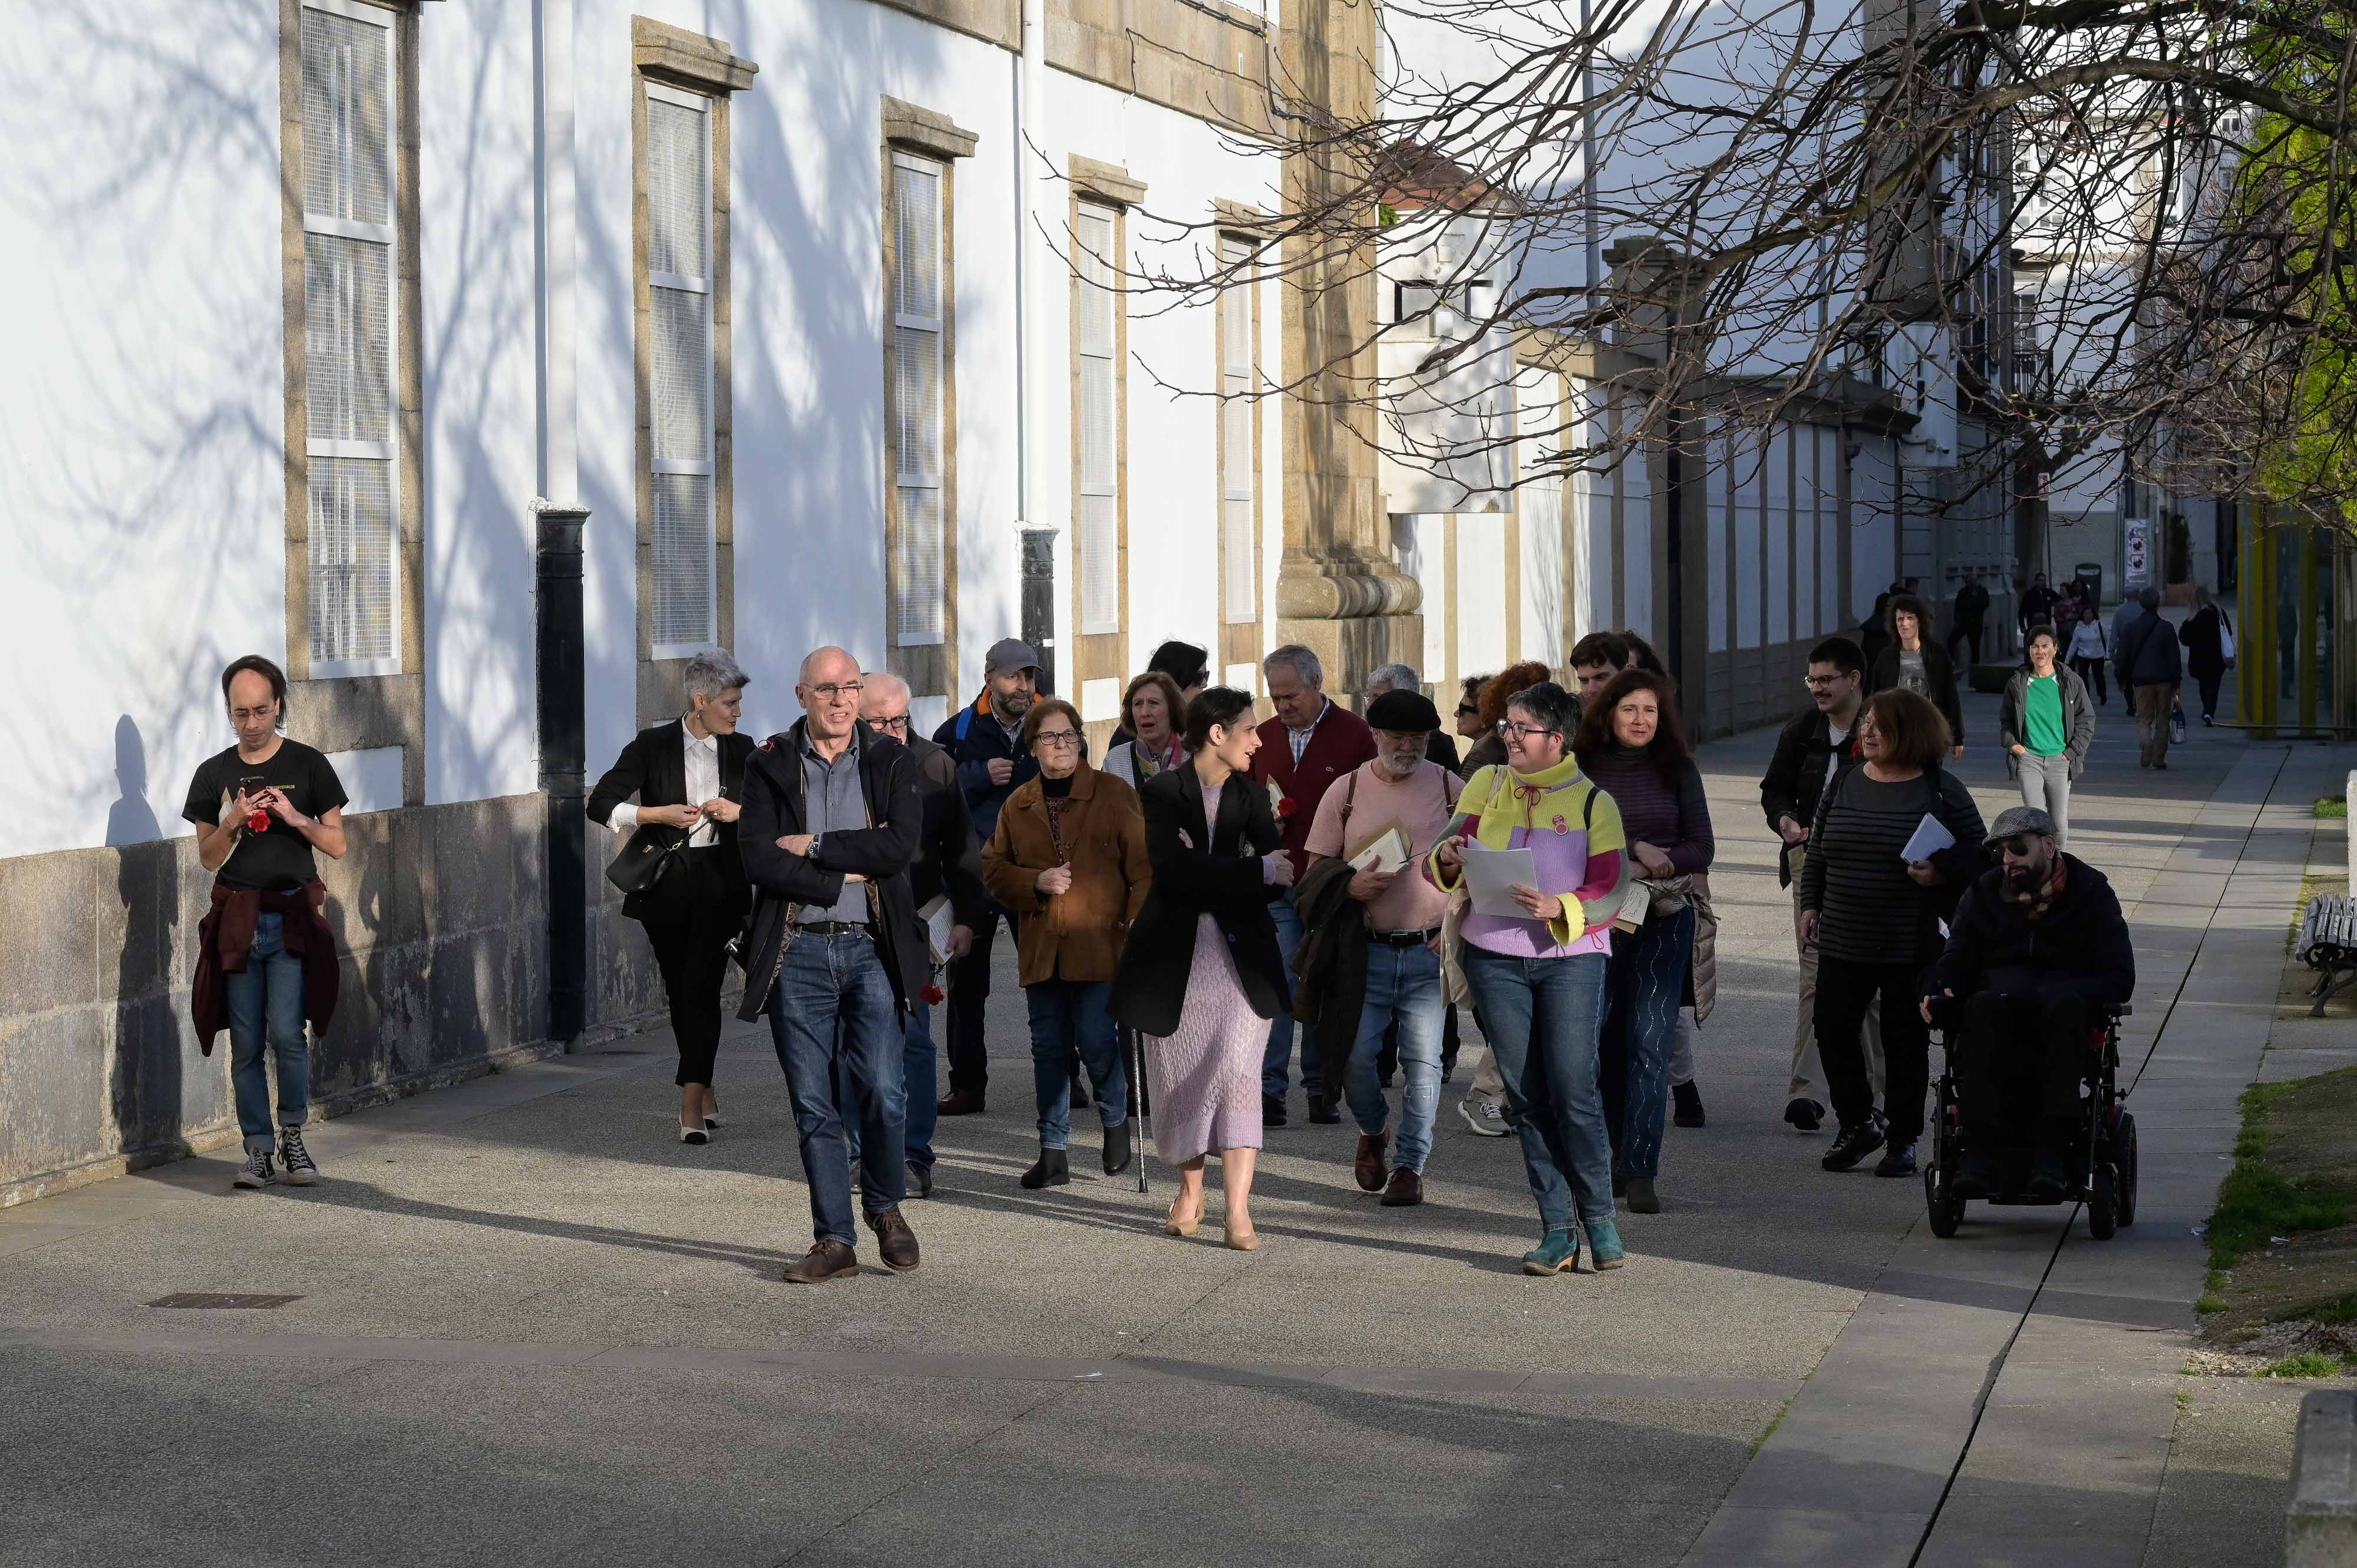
{"type": "Point", "coordinates": [933, 995]}
{"type": "Point", "coordinates": [1287, 806]}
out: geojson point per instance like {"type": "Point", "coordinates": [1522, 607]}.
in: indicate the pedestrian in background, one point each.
{"type": "Point", "coordinates": [1910, 663]}
{"type": "Point", "coordinates": [1467, 720]}
{"type": "Point", "coordinates": [1812, 752]}
{"type": "Point", "coordinates": [2091, 650]}
{"type": "Point", "coordinates": [985, 738]}
{"type": "Point", "coordinates": [1631, 744]}
{"type": "Point", "coordinates": [1190, 671]}
{"type": "Point", "coordinates": [1152, 710]}
{"type": "Point", "coordinates": [265, 809]}
{"type": "Point", "coordinates": [948, 865]}
{"type": "Point", "coordinates": [2151, 668]}
{"type": "Point", "coordinates": [1068, 858]}
{"type": "Point", "coordinates": [1201, 974]}
{"type": "Point", "coordinates": [1310, 743]}
{"type": "Point", "coordinates": [2046, 724]}
{"type": "Point", "coordinates": [1538, 974]}
{"type": "Point", "coordinates": [2207, 636]}
{"type": "Point", "coordinates": [1874, 915]}
{"type": "Point", "coordinates": [1968, 617]}
{"type": "Point", "coordinates": [687, 778]}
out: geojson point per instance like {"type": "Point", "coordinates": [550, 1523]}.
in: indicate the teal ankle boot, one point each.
{"type": "Point", "coordinates": [1555, 1255]}
{"type": "Point", "coordinates": [1604, 1250]}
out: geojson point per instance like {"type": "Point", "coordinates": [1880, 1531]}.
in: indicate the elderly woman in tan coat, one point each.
{"type": "Point", "coordinates": [1068, 858]}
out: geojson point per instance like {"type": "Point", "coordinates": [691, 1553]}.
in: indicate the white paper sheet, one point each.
{"type": "Point", "coordinates": [938, 919]}
{"type": "Point", "coordinates": [1929, 839]}
{"type": "Point", "coordinates": [1492, 875]}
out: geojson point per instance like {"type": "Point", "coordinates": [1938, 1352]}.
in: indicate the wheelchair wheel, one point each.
{"type": "Point", "coordinates": [2102, 1202]}
{"type": "Point", "coordinates": [1947, 1212]}
{"type": "Point", "coordinates": [2124, 1155]}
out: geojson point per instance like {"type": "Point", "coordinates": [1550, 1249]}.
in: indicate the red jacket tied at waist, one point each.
{"type": "Point", "coordinates": [225, 941]}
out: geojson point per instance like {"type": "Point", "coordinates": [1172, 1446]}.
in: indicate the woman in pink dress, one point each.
{"type": "Point", "coordinates": [1202, 977]}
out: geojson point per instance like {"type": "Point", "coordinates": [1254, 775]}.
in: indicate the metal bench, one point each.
{"type": "Point", "coordinates": [2328, 944]}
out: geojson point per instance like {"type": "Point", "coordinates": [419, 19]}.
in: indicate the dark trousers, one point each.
{"type": "Point", "coordinates": [2209, 684]}
{"type": "Point", "coordinates": [969, 995]}
{"type": "Point", "coordinates": [2091, 672]}
{"type": "Point", "coordinates": [693, 956]}
{"type": "Point", "coordinates": [2019, 1061]}
{"type": "Point", "coordinates": [1844, 990]}
{"type": "Point", "coordinates": [1643, 980]}
{"type": "Point", "coordinates": [1966, 634]}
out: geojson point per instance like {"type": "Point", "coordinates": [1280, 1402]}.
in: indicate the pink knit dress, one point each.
{"type": "Point", "coordinates": [1206, 1078]}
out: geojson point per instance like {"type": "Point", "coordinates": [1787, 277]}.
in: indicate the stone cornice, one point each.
{"type": "Point", "coordinates": [690, 60]}
{"type": "Point", "coordinates": [923, 131]}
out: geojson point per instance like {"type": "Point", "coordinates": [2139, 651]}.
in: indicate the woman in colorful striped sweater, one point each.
{"type": "Point", "coordinates": [1538, 976]}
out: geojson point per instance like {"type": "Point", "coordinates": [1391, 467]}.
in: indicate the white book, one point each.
{"type": "Point", "coordinates": [1929, 839]}
{"type": "Point", "coordinates": [1388, 853]}
{"type": "Point", "coordinates": [939, 920]}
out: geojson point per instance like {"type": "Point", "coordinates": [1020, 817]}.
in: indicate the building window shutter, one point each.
{"type": "Point", "coordinates": [348, 353]}
{"type": "Point", "coordinates": [679, 280]}
{"type": "Point", "coordinates": [1241, 595]}
{"type": "Point", "coordinates": [920, 591]}
{"type": "Point", "coordinates": [1098, 535]}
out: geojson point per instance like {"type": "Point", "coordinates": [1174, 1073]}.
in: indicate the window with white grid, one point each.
{"type": "Point", "coordinates": [1239, 592]}
{"type": "Point", "coordinates": [919, 589]}
{"type": "Point", "coordinates": [349, 301]}
{"type": "Point", "coordinates": [679, 277]}
{"type": "Point", "coordinates": [1098, 538]}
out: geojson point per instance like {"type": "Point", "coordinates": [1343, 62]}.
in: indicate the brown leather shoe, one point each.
{"type": "Point", "coordinates": [825, 1260]}
{"type": "Point", "coordinates": [894, 1239]}
{"type": "Point", "coordinates": [1405, 1189]}
{"type": "Point", "coordinates": [1369, 1166]}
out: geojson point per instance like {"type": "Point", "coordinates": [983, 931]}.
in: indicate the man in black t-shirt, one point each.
{"type": "Point", "coordinates": [263, 809]}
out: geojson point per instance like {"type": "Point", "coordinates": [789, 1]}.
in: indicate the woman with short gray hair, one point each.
{"type": "Point", "coordinates": [687, 779]}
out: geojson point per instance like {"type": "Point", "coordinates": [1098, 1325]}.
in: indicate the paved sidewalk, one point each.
{"type": "Point", "coordinates": [533, 1328]}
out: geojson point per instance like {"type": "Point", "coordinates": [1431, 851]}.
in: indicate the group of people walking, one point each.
{"type": "Point", "coordinates": [1227, 898]}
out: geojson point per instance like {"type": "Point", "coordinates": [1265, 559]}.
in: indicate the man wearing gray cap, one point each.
{"type": "Point", "coordinates": [2038, 952]}
{"type": "Point", "coordinates": [986, 740]}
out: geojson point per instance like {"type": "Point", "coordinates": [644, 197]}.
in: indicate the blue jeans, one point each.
{"type": "Point", "coordinates": [1643, 984]}
{"type": "Point", "coordinates": [1542, 1016]}
{"type": "Point", "coordinates": [919, 1077]}
{"type": "Point", "coordinates": [1278, 1058]}
{"type": "Point", "coordinates": [833, 1003]}
{"type": "Point", "coordinates": [1402, 983]}
{"type": "Point", "coordinates": [265, 1008]}
{"type": "Point", "coordinates": [1068, 1015]}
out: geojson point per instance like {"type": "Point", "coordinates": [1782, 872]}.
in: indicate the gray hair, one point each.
{"type": "Point", "coordinates": [1299, 660]}
{"type": "Point", "coordinates": [1393, 677]}
{"type": "Point", "coordinates": [881, 681]}
{"type": "Point", "coordinates": [710, 674]}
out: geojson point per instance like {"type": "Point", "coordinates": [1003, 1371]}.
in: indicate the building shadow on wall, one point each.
{"type": "Point", "coordinates": [144, 1094]}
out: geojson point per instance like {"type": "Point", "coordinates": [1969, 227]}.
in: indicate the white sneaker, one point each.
{"type": "Point", "coordinates": [301, 1169]}
{"type": "Point", "coordinates": [259, 1170]}
{"type": "Point", "coordinates": [1486, 1117]}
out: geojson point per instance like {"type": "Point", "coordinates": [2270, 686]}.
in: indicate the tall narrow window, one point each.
{"type": "Point", "coordinates": [680, 282]}
{"type": "Point", "coordinates": [920, 557]}
{"type": "Point", "coordinates": [1098, 535]}
{"type": "Point", "coordinates": [1239, 535]}
{"type": "Point", "coordinates": [349, 305]}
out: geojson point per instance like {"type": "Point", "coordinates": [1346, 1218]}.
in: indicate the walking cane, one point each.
{"type": "Point", "coordinates": [1145, 1112]}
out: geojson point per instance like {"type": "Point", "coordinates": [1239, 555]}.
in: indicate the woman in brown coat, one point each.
{"type": "Point", "coordinates": [1068, 858]}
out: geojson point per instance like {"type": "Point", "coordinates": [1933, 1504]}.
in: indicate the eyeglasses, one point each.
{"type": "Point", "coordinates": [898, 721]}
{"type": "Point", "coordinates": [1822, 682]}
{"type": "Point", "coordinates": [241, 715]}
{"type": "Point", "coordinates": [2017, 846]}
{"type": "Point", "coordinates": [1523, 732]}
{"type": "Point", "coordinates": [837, 693]}
{"type": "Point", "coordinates": [1055, 737]}
{"type": "Point", "coordinates": [1466, 710]}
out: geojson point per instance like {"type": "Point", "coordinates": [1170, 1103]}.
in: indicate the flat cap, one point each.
{"type": "Point", "coordinates": [2018, 820]}
{"type": "Point", "coordinates": [1404, 712]}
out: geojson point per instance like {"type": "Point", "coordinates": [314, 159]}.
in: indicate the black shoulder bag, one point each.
{"type": "Point", "coordinates": [649, 859]}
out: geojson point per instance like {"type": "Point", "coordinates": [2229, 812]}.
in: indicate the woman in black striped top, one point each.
{"type": "Point", "coordinates": [1874, 919]}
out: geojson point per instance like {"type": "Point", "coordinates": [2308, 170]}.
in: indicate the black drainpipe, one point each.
{"type": "Point", "coordinates": [562, 782]}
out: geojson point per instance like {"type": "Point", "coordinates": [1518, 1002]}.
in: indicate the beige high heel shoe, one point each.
{"type": "Point", "coordinates": [1173, 1225]}
{"type": "Point", "coordinates": [1246, 1240]}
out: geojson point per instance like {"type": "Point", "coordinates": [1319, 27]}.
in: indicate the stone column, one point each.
{"type": "Point", "coordinates": [1340, 592]}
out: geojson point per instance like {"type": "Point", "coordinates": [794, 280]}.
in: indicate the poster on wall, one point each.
{"type": "Point", "coordinates": [2135, 572]}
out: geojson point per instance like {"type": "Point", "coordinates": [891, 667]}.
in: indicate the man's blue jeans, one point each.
{"type": "Point", "coordinates": [1643, 984]}
{"type": "Point", "coordinates": [920, 1079]}
{"type": "Point", "coordinates": [834, 1005]}
{"type": "Point", "coordinates": [1542, 1016]}
{"type": "Point", "coordinates": [1402, 983]}
{"type": "Point", "coordinates": [265, 1011]}
{"type": "Point", "coordinates": [1276, 1061]}
{"type": "Point", "coordinates": [1068, 1015]}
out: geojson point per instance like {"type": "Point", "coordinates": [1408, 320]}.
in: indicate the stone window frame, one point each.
{"type": "Point", "coordinates": [338, 712]}
{"type": "Point", "coordinates": [673, 57]}
{"type": "Point", "coordinates": [921, 134]}
{"type": "Point", "coordinates": [1234, 224]}
{"type": "Point", "coordinates": [1099, 658]}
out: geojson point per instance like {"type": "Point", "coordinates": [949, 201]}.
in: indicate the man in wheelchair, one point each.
{"type": "Point", "coordinates": [2038, 957]}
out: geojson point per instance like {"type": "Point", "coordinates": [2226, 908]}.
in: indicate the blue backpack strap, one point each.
{"type": "Point", "coordinates": [965, 723]}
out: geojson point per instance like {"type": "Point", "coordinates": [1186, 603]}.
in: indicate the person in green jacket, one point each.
{"type": "Point", "coordinates": [2046, 724]}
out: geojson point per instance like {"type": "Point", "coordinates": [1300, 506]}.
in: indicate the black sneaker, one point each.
{"type": "Point", "coordinates": [1321, 1113]}
{"type": "Point", "coordinates": [1272, 1110]}
{"type": "Point", "coordinates": [1688, 1101]}
{"type": "Point", "coordinates": [2050, 1178]}
{"type": "Point", "coordinates": [1898, 1160]}
{"type": "Point", "coordinates": [1853, 1145]}
{"type": "Point", "coordinates": [260, 1170]}
{"type": "Point", "coordinates": [1805, 1115]}
{"type": "Point", "coordinates": [1977, 1178]}
{"type": "Point", "coordinates": [301, 1169]}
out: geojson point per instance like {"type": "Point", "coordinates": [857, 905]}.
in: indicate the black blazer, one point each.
{"type": "Point", "coordinates": [654, 767]}
{"type": "Point", "coordinates": [882, 853]}
{"type": "Point", "coordinates": [1221, 879]}
{"type": "Point", "coordinates": [1939, 673]}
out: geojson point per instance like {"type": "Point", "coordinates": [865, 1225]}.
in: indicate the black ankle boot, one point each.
{"type": "Point", "coordinates": [1688, 1100]}
{"type": "Point", "coordinates": [1117, 1149]}
{"type": "Point", "coordinates": [1053, 1170]}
